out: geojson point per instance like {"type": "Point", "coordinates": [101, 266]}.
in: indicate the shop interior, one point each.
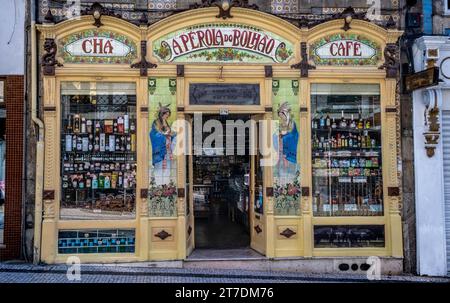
{"type": "Point", "coordinates": [221, 190]}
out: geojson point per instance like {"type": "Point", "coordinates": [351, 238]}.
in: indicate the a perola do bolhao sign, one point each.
{"type": "Point", "coordinates": [222, 43]}
{"type": "Point", "coordinates": [345, 49]}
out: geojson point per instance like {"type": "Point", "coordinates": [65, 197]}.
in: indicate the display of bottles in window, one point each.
{"type": "Point", "coordinates": [346, 155]}
{"type": "Point", "coordinates": [98, 151]}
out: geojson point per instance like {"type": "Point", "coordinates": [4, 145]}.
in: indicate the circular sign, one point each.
{"type": "Point", "coordinates": [445, 67]}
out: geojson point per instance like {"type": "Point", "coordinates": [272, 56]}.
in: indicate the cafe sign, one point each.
{"type": "Point", "coordinates": [227, 43]}
{"type": "Point", "coordinates": [345, 49]}
{"type": "Point", "coordinates": [95, 46]}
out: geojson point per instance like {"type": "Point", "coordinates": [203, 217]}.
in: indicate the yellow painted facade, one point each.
{"type": "Point", "coordinates": [181, 243]}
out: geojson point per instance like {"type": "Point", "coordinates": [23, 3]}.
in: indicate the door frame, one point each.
{"type": "Point", "coordinates": [258, 240]}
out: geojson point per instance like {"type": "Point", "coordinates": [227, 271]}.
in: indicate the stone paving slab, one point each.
{"type": "Point", "coordinates": [120, 273]}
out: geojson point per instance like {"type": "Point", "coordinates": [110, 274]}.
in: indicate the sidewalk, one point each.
{"type": "Point", "coordinates": [142, 273]}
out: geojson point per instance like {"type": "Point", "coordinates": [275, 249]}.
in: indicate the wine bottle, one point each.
{"type": "Point", "coordinates": [69, 127]}
{"type": "Point", "coordinates": [97, 143]}
{"type": "Point", "coordinates": [126, 123]}
{"type": "Point", "coordinates": [343, 122]}
{"type": "Point", "coordinates": [360, 122]}
{"type": "Point", "coordinates": [83, 125]}
{"type": "Point", "coordinates": [333, 125]}
{"type": "Point", "coordinates": [328, 121]}
{"type": "Point", "coordinates": [89, 126]}
{"type": "Point", "coordinates": [76, 124]}
{"type": "Point", "coordinates": [133, 142]}
{"type": "Point", "coordinates": [352, 123]}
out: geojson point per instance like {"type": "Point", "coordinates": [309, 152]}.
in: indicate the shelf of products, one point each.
{"type": "Point", "coordinates": [98, 153]}
{"type": "Point", "coordinates": [346, 155]}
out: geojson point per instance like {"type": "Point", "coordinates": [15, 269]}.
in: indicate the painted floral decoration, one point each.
{"type": "Point", "coordinates": [162, 199]}
{"type": "Point", "coordinates": [287, 197]}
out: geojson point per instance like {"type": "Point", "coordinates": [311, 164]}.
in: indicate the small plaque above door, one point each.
{"type": "Point", "coordinates": [224, 94]}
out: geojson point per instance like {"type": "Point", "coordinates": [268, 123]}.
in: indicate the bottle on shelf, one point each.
{"type": "Point", "coordinates": [83, 125]}
{"type": "Point", "coordinates": [360, 121]}
{"type": "Point", "coordinates": [69, 127]}
{"type": "Point", "coordinates": [343, 122]}
{"type": "Point", "coordinates": [76, 123]}
{"type": "Point", "coordinates": [321, 122]}
{"type": "Point", "coordinates": [89, 126]}
{"type": "Point", "coordinates": [352, 123]}
{"type": "Point", "coordinates": [328, 121]}
{"type": "Point", "coordinates": [333, 124]}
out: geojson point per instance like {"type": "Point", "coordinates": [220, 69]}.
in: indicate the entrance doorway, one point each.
{"type": "Point", "coordinates": [221, 187]}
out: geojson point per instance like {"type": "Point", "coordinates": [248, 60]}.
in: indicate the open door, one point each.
{"type": "Point", "coordinates": [190, 235]}
{"type": "Point", "coordinates": [257, 194]}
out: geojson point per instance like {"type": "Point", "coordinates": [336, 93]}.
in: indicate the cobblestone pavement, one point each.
{"type": "Point", "coordinates": [113, 273]}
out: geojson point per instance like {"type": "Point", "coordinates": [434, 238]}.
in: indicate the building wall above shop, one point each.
{"type": "Point", "coordinates": [291, 10]}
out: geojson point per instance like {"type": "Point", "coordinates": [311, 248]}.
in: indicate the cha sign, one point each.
{"type": "Point", "coordinates": [231, 43]}
{"type": "Point", "coordinates": [343, 49]}
{"type": "Point", "coordinates": [97, 47]}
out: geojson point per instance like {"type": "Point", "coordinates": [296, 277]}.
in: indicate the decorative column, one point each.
{"type": "Point", "coordinates": [181, 167]}
{"type": "Point", "coordinates": [305, 167]}
{"type": "Point", "coordinates": [268, 173]}
{"type": "Point", "coordinates": [51, 190]}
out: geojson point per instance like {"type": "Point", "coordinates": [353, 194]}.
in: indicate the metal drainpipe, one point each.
{"type": "Point", "coordinates": [40, 143]}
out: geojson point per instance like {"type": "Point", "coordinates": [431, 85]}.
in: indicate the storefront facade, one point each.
{"type": "Point", "coordinates": [431, 157]}
{"type": "Point", "coordinates": [115, 190]}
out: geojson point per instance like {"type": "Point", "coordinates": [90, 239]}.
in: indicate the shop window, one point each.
{"type": "Point", "coordinates": [98, 149]}
{"type": "Point", "coordinates": [346, 156]}
{"type": "Point", "coordinates": [2, 157]}
{"type": "Point", "coordinates": [95, 241]}
{"type": "Point", "coordinates": [348, 236]}
{"type": "Point", "coordinates": [162, 141]}
{"type": "Point", "coordinates": [286, 172]}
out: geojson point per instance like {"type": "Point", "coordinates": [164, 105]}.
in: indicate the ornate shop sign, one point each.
{"type": "Point", "coordinates": [224, 94]}
{"type": "Point", "coordinates": [426, 78]}
{"type": "Point", "coordinates": [96, 46]}
{"type": "Point", "coordinates": [230, 43]}
{"type": "Point", "coordinates": [345, 49]}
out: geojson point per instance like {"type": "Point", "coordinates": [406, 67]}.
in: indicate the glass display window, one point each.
{"type": "Point", "coordinates": [346, 150]}
{"type": "Point", "coordinates": [98, 150]}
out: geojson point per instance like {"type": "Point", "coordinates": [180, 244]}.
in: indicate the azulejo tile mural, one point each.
{"type": "Point", "coordinates": [286, 172]}
{"type": "Point", "coordinates": [162, 141]}
{"type": "Point", "coordinates": [96, 241]}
